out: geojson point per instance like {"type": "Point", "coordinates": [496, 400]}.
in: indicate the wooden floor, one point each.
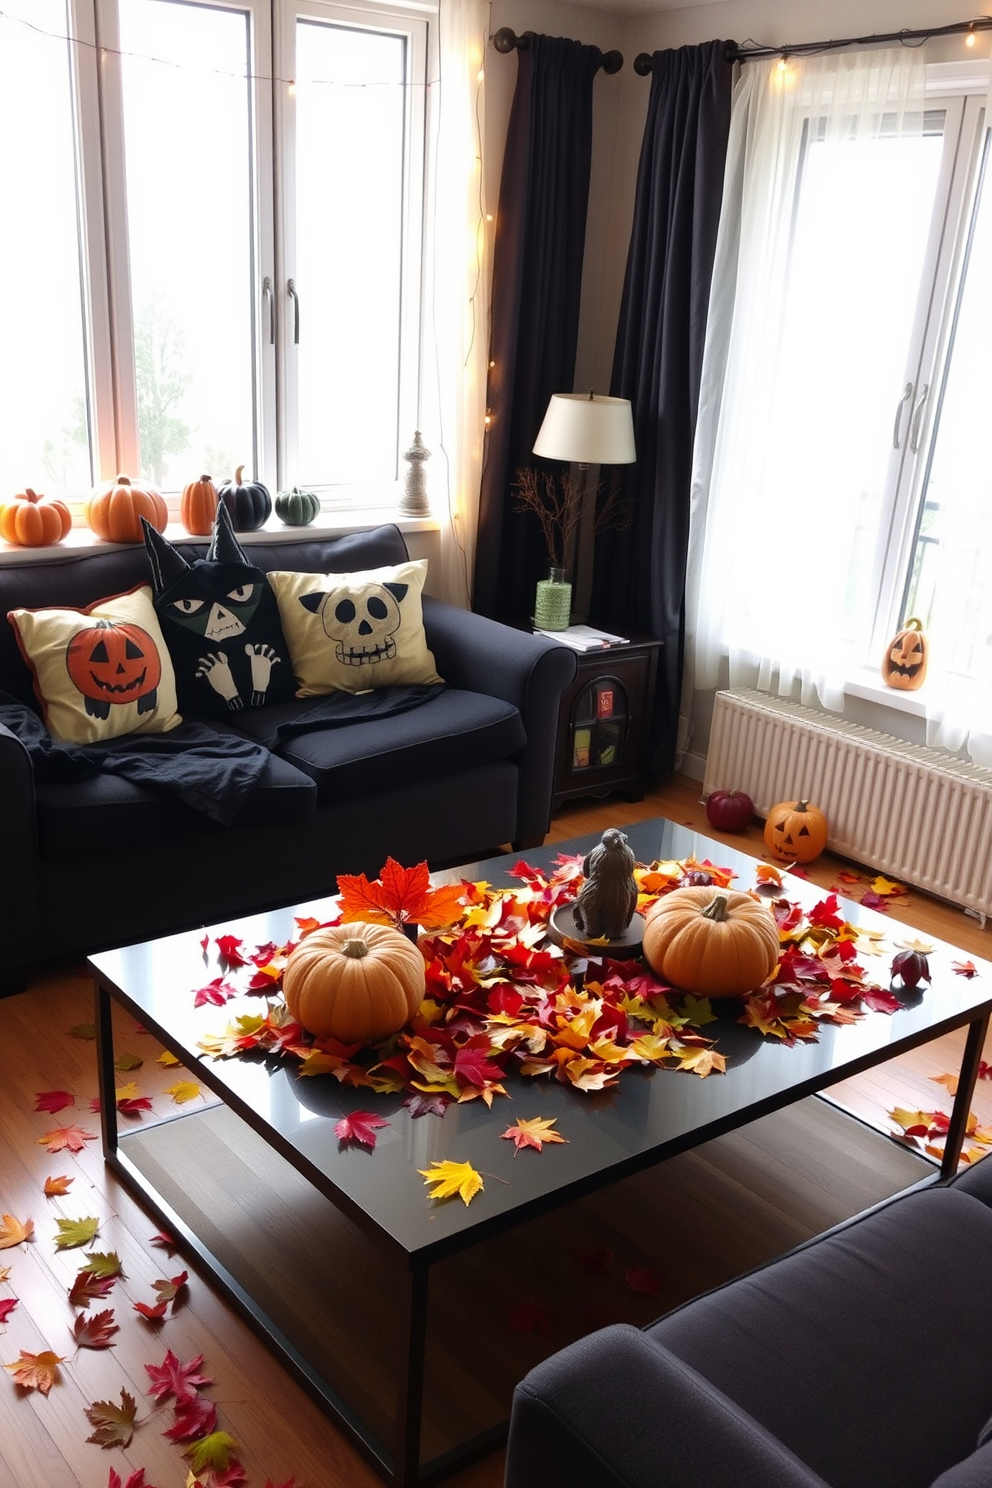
{"type": "Point", "coordinates": [697, 1220]}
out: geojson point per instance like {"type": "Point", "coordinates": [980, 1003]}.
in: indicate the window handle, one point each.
{"type": "Point", "coordinates": [907, 394]}
{"type": "Point", "coordinates": [267, 296]}
{"type": "Point", "coordinates": [914, 438]}
{"type": "Point", "coordinates": [291, 289]}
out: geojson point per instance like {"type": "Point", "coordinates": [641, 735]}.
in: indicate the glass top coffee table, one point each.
{"type": "Point", "coordinates": [329, 1248]}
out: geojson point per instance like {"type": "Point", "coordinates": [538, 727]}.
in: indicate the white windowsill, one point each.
{"type": "Point", "coordinates": [871, 690]}
{"type": "Point", "coordinates": [328, 524]}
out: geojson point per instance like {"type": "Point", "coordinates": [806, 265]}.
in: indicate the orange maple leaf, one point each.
{"type": "Point", "coordinates": [66, 1139]}
{"type": "Point", "coordinates": [13, 1231]}
{"type": "Point", "coordinates": [35, 1371]}
{"type": "Point", "coordinates": [56, 1186]}
{"type": "Point", "coordinates": [532, 1133]}
{"type": "Point", "coordinates": [400, 896]}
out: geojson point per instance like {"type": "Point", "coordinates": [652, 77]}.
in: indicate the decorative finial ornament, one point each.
{"type": "Point", "coordinates": [415, 502]}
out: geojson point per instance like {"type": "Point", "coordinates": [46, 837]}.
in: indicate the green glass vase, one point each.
{"type": "Point", "coordinates": [553, 602]}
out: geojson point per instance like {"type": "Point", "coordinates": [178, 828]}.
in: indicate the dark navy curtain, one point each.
{"type": "Point", "coordinates": [537, 279]}
{"type": "Point", "coordinates": [639, 573]}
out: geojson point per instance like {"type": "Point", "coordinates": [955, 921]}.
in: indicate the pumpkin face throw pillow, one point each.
{"type": "Point", "coordinates": [102, 671]}
{"type": "Point", "coordinates": [356, 632]}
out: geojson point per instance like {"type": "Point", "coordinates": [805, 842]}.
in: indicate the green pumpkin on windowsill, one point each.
{"type": "Point", "coordinates": [297, 508]}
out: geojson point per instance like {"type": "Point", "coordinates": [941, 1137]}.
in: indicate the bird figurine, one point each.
{"type": "Point", "coordinates": [606, 902]}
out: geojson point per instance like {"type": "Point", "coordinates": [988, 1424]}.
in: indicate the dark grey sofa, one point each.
{"type": "Point", "coordinates": [104, 861]}
{"type": "Point", "coordinates": [861, 1360]}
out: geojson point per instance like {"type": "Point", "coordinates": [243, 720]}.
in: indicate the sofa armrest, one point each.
{"type": "Point", "coordinates": [617, 1410]}
{"type": "Point", "coordinates": [529, 671]}
{"type": "Point", "coordinates": [19, 862]}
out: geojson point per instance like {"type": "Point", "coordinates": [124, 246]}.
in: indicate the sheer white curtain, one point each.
{"type": "Point", "coordinates": [455, 374]}
{"type": "Point", "coordinates": [806, 340]}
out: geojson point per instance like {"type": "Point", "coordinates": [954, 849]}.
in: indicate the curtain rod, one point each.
{"type": "Point", "coordinates": [506, 40]}
{"type": "Point", "coordinates": [735, 53]}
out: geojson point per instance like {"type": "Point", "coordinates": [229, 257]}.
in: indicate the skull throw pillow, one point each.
{"type": "Point", "coordinates": [355, 632]}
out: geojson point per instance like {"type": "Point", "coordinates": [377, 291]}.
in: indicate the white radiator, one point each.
{"type": "Point", "coordinates": [917, 815]}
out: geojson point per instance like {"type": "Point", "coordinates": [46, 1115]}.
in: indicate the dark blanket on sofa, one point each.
{"type": "Point", "coordinates": [207, 770]}
{"type": "Point", "coordinates": [339, 708]}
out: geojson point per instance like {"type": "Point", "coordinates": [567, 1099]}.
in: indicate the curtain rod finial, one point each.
{"type": "Point", "coordinates": [642, 64]}
{"type": "Point", "coordinates": [612, 61]}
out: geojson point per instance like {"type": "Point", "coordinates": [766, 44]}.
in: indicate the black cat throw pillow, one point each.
{"type": "Point", "coordinates": [221, 624]}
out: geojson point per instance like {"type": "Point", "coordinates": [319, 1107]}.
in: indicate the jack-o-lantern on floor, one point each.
{"type": "Point", "coordinates": [795, 832]}
{"type": "Point", "coordinates": [905, 663]}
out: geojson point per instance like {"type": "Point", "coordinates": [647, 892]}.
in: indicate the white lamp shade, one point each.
{"type": "Point", "coordinates": [587, 429]}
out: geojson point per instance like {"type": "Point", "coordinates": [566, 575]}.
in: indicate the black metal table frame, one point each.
{"type": "Point", "coordinates": [402, 1465]}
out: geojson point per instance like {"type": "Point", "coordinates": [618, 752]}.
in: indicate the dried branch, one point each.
{"type": "Point", "coordinates": [558, 503]}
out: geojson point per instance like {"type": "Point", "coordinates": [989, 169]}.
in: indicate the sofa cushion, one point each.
{"type": "Point", "coordinates": [79, 818]}
{"type": "Point", "coordinates": [102, 671]}
{"type": "Point", "coordinates": [974, 1472]}
{"type": "Point", "coordinates": [221, 624]}
{"type": "Point", "coordinates": [354, 631]}
{"type": "Point", "coordinates": [858, 1351]}
{"type": "Point", "coordinates": [452, 730]}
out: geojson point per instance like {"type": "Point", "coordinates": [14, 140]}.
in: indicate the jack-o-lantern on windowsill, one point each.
{"type": "Point", "coordinates": [905, 664]}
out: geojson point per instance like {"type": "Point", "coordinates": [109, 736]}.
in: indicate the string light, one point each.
{"type": "Point", "coordinates": [970, 37]}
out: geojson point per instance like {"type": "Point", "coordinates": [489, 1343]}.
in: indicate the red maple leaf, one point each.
{"type": "Point", "coordinates": [360, 1126]}
{"type": "Point", "coordinates": [88, 1288]}
{"type": "Point", "coordinates": [94, 1332]}
{"type": "Point", "coordinates": [426, 1105]}
{"type": "Point", "coordinates": [165, 1240]}
{"type": "Point", "coordinates": [192, 1419]}
{"type": "Point", "coordinates": [133, 1105]}
{"type": "Point", "coordinates": [597, 1262]}
{"type": "Point", "coordinates": [135, 1479]}
{"type": "Point", "coordinates": [154, 1313]}
{"type": "Point", "coordinates": [229, 947]}
{"type": "Point", "coordinates": [172, 1377]}
{"type": "Point", "coordinates": [7, 1305]}
{"type": "Point", "coordinates": [215, 993]}
{"type": "Point", "coordinates": [66, 1139]}
{"type": "Point", "coordinates": [53, 1100]}
{"type": "Point", "coordinates": [473, 1066]}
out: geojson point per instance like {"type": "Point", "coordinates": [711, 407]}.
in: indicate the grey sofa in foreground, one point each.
{"type": "Point", "coordinates": [861, 1360]}
{"type": "Point", "coordinates": [87, 864]}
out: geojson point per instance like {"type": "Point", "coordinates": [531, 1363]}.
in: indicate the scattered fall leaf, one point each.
{"type": "Point", "coordinates": [83, 1031]}
{"type": "Point", "coordinates": [73, 1232]}
{"type": "Point", "coordinates": [164, 1240]}
{"type": "Point", "coordinates": [7, 1305]}
{"type": "Point", "coordinates": [126, 1061]}
{"type": "Point", "coordinates": [13, 1231]}
{"type": "Point", "coordinates": [168, 1059]}
{"type": "Point", "coordinates": [96, 1331]}
{"type": "Point", "coordinates": [360, 1126]}
{"type": "Point", "coordinates": [88, 1288]}
{"type": "Point", "coordinates": [598, 1261]}
{"type": "Point", "coordinates": [66, 1139]}
{"type": "Point", "coordinates": [54, 1187]}
{"type": "Point", "coordinates": [213, 1451]}
{"type": "Point", "coordinates": [532, 1317]}
{"type": "Point", "coordinates": [35, 1371]}
{"type": "Point", "coordinates": [104, 1263]}
{"type": "Point", "coordinates": [53, 1100]}
{"type": "Point", "coordinates": [172, 1377]}
{"type": "Point", "coordinates": [451, 1178]}
{"type": "Point", "coordinates": [134, 1480]}
{"type": "Point", "coordinates": [114, 1423]}
{"type": "Point", "coordinates": [183, 1091]}
{"type": "Point", "coordinates": [400, 896]}
{"type": "Point", "coordinates": [532, 1133]}
{"type": "Point", "coordinates": [964, 968]}
{"type": "Point", "coordinates": [192, 1419]}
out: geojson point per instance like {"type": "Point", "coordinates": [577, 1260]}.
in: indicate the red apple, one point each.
{"type": "Point", "coordinates": [729, 811]}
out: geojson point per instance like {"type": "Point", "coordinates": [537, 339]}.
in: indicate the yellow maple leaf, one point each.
{"type": "Point", "coordinates": [886, 887]}
{"type": "Point", "coordinates": [908, 1119]}
{"type": "Point", "coordinates": [183, 1091]}
{"type": "Point", "coordinates": [4, 1272]}
{"type": "Point", "coordinates": [451, 1178]}
{"type": "Point", "coordinates": [129, 1091]}
{"type": "Point", "coordinates": [702, 1061]}
{"type": "Point", "coordinates": [167, 1058]}
{"type": "Point", "coordinates": [924, 947]}
{"type": "Point", "coordinates": [13, 1231]}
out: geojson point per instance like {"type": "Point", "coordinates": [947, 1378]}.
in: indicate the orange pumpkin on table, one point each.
{"type": "Point", "coordinates": [906, 655]}
{"type": "Point", "coordinates": [795, 832]}
{"type": "Point", "coordinates": [115, 509]}
{"type": "Point", "coordinates": [356, 982]}
{"type": "Point", "coordinates": [710, 941]}
{"type": "Point", "coordinates": [33, 521]}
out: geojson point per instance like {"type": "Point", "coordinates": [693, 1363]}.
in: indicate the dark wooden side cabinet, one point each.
{"type": "Point", "coordinates": [603, 724]}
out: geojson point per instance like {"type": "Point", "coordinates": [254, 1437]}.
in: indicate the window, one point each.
{"type": "Point", "coordinates": [850, 484]}
{"type": "Point", "coordinates": [219, 259]}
